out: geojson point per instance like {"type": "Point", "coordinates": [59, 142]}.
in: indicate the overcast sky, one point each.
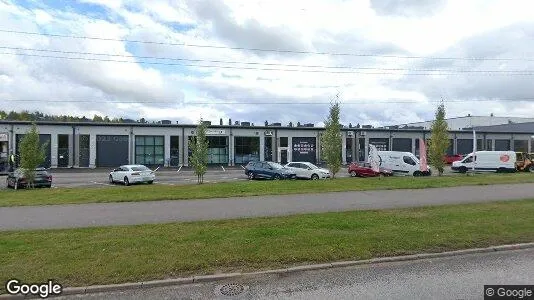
{"type": "Point", "coordinates": [274, 60]}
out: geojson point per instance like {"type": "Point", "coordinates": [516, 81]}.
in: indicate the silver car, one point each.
{"type": "Point", "coordinates": [128, 174]}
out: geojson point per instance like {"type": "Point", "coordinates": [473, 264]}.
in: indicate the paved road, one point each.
{"type": "Point", "coordinates": [459, 277]}
{"type": "Point", "coordinates": [84, 215]}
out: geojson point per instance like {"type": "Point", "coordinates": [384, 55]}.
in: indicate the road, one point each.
{"type": "Point", "coordinates": [103, 214]}
{"type": "Point", "coordinates": [457, 277]}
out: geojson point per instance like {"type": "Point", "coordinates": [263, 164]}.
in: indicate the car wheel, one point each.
{"type": "Point", "coordinates": [111, 179]}
{"type": "Point", "coordinates": [150, 182]}
{"type": "Point", "coordinates": [531, 169]}
{"type": "Point", "coordinates": [250, 175]}
{"type": "Point", "coordinates": [126, 181]}
{"type": "Point", "coordinates": [276, 177]}
{"type": "Point", "coordinates": [462, 170]}
{"type": "Point", "coordinates": [314, 177]}
{"type": "Point", "coordinates": [417, 173]}
{"type": "Point", "coordinates": [353, 174]}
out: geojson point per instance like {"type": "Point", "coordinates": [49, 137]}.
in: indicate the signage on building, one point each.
{"type": "Point", "coordinates": [304, 147]}
{"type": "Point", "coordinates": [215, 131]}
{"type": "Point", "coordinates": [4, 137]}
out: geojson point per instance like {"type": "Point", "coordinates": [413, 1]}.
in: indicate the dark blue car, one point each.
{"type": "Point", "coordinates": [269, 170]}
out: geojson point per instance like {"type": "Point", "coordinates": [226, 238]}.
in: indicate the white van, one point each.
{"type": "Point", "coordinates": [401, 163]}
{"type": "Point", "coordinates": [491, 161]}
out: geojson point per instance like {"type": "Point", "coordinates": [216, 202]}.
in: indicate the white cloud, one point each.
{"type": "Point", "coordinates": [434, 28]}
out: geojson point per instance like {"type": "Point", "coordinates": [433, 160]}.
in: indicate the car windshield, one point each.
{"type": "Point", "coordinates": [312, 166]}
{"type": "Point", "coordinates": [140, 168]}
{"type": "Point", "coordinates": [275, 165]}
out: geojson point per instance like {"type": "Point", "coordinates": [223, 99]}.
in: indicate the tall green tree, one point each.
{"type": "Point", "coordinates": [439, 141]}
{"type": "Point", "coordinates": [331, 140]}
{"type": "Point", "coordinates": [199, 152]}
{"type": "Point", "coordinates": [32, 154]}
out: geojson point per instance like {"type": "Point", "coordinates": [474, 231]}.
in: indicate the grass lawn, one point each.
{"type": "Point", "coordinates": [244, 188]}
{"type": "Point", "coordinates": [106, 255]}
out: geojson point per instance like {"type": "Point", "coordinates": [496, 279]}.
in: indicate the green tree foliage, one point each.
{"type": "Point", "coordinates": [39, 116]}
{"type": "Point", "coordinates": [32, 154]}
{"type": "Point", "coordinates": [331, 140]}
{"type": "Point", "coordinates": [439, 141]}
{"type": "Point", "coordinates": [199, 152]}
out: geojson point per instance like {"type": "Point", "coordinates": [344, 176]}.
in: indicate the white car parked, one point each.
{"type": "Point", "coordinates": [308, 170]}
{"type": "Point", "coordinates": [128, 174]}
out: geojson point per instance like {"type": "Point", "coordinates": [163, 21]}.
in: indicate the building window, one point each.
{"type": "Point", "coordinates": [175, 151]}
{"type": "Point", "coordinates": [502, 145]}
{"type": "Point", "coordinates": [268, 148]}
{"type": "Point", "coordinates": [246, 149]}
{"type": "Point", "coordinates": [149, 150]}
{"type": "Point", "coordinates": [217, 149]}
{"type": "Point", "coordinates": [489, 145]}
{"type": "Point", "coordinates": [348, 150]}
{"type": "Point", "coordinates": [521, 145]}
{"type": "Point", "coordinates": [381, 144]}
{"type": "Point", "coordinates": [361, 149]}
{"type": "Point", "coordinates": [283, 141]}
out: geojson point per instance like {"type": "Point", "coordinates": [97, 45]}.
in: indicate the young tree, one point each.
{"type": "Point", "coordinates": [199, 152]}
{"type": "Point", "coordinates": [439, 141]}
{"type": "Point", "coordinates": [331, 140]}
{"type": "Point", "coordinates": [32, 154]}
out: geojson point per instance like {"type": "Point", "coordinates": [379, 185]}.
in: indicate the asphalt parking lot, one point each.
{"type": "Point", "coordinates": [68, 178]}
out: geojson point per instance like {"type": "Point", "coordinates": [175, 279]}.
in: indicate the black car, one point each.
{"type": "Point", "coordinates": [269, 170]}
{"type": "Point", "coordinates": [17, 180]}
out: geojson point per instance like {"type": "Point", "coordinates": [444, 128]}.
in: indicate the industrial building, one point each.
{"type": "Point", "coordinates": [469, 121]}
{"type": "Point", "coordinates": [90, 145]}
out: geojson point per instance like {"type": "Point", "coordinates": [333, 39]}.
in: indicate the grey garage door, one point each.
{"type": "Point", "coordinates": [111, 150]}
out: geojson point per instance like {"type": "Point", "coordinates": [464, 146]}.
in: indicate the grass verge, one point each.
{"type": "Point", "coordinates": [244, 188]}
{"type": "Point", "coordinates": [88, 256]}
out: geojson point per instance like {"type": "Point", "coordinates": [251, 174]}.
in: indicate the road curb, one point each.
{"type": "Point", "coordinates": [225, 276]}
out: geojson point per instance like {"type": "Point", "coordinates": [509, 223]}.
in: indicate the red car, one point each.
{"type": "Point", "coordinates": [449, 159]}
{"type": "Point", "coordinates": [365, 170]}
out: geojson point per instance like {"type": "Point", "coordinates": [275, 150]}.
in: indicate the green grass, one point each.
{"type": "Point", "coordinates": [76, 257]}
{"type": "Point", "coordinates": [243, 189]}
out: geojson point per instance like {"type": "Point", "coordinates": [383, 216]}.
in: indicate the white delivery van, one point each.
{"type": "Point", "coordinates": [490, 161]}
{"type": "Point", "coordinates": [401, 163]}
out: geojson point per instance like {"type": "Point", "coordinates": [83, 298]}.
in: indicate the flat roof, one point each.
{"type": "Point", "coordinates": [484, 129]}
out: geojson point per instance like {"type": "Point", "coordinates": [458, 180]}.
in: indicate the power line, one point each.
{"type": "Point", "coordinates": [353, 102]}
{"type": "Point", "coordinates": [256, 63]}
{"type": "Point", "coordinates": [265, 50]}
{"type": "Point", "coordinates": [522, 73]}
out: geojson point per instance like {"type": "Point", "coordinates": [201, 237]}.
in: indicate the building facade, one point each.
{"type": "Point", "coordinates": [469, 121]}
{"type": "Point", "coordinates": [91, 145]}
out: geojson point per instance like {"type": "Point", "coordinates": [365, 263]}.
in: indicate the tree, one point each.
{"type": "Point", "coordinates": [439, 141]}
{"type": "Point", "coordinates": [331, 140]}
{"type": "Point", "coordinates": [199, 152]}
{"type": "Point", "coordinates": [32, 154]}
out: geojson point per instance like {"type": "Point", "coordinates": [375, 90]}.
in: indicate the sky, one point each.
{"type": "Point", "coordinates": [386, 61]}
